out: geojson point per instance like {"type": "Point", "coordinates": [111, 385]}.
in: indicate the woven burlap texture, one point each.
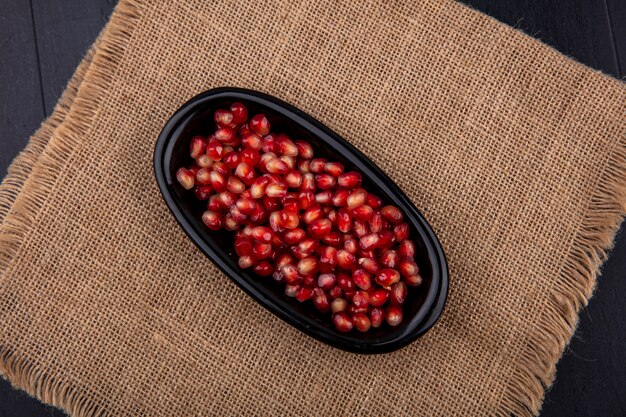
{"type": "Point", "coordinates": [514, 153]}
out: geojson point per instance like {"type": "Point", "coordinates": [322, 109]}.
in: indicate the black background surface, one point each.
{"type": "Point", "coordinates": [42, 41]}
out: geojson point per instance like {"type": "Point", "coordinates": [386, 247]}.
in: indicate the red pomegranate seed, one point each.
{"type": "Point", "coordinates": [203, 176]}
{"type": "Point", "coordinates": [276, 166]}
{"type": "Point", "coordinates": [202, 192]}
{"type": "Point", "coordinates": [245, 262]}
{"type": "Point", "coordinates": [237, 215]}
{"type": "Point", "coordinates": [376, 222]}
{"type": "Point", "coordinates": [338, 305]}
{"type": "Point", "coordinates": [319, 228]}
{"type": "Point", "coordinates": [401, 232]}
{"type": "Point", "coordinates": [234, 185]}
{"type": "Point", "coordinates": [260, 125]}
{"type": "Point", "coordinates": [223, 118]}
{"type": "Point", "coordinates": [243, 246]}
{"type": "Point", "coordinates": [204, 161]}
{"type": "Point", "coordinates": [344, 220]}
{"type": "Point", "coordinates": [333, 168]}
{"type": "Point", "coordinates": [212, 220]}
{"type": "Point", "coordinates": [387, 277]}
{"type": "Point", "coordinates": [289, 161]}
{"type": "Point", "coordinates": [250, 156]}
{"type": "Point", "coordinates": [370, 265]}
{"type": "Point", "coordinates": [391, 213]}
{"type": "Point", "coordinates": [324, 198]}
{"type": "Point", "coordinates": [308, 246]}
{"type": "Point", "coordinates": [386, 239]}
{"type": "Point", "coordinates": [285, 146]}
{"type": "Point", "coordinates": [221, 168]}
{"type": "Point", "coordinates": [290, 274]}
{"type": "Point", "coordinates": [362, 279]}
{"type": "Point", "coordinates": [389, 259]}
{"type": "Point", "coordinates": [326, 281]}
{"type": "Point", "coordinates": [350, 180]}
{"type": "Point", "coordinates": [317, 165]}
{"type": "Point", "coordinates": [276, 190]}
{"type": "Point", "coordinates": [305, 150]}
{"type": "Point", "coordinates": [261, 250]}
{"type": "Point", "coordinates": [377, 315]}
{"type": "Point", "coordinates": [360, 229]}
{"type": "Point", "coordinates": [308, 265]}
{"type": "Point", "coordinates": [263, 269]}
{"type": "Point", "coordinates": [214, 203]}
{"type": "Point", "coordinates": [308, 280]}
{"type": "Point", "coordinates": [344, 281]}
{"type": "Point", "coordinates": [303, 165]}
{"type": "Point", "coordinates": [408, 268]}
{"type": "Point", "coordinates": [320, 301]}
{"type": "Point", "coordinates": [291, 290]}
{"type": "Point", "coordinates": [293, 179]}
{"type": "Point", "coordinates": [357, 198]}
{"type": "Point", "coordinates": [305, 199]}
{"type": "Point", "coordinates": [379, 297]}
{"type": "Point", "coordinates": [328, 259]}
{"type": "Point", "coordinates": [282, 260]}
{"type": "Point", "coordinates": [246, 205]}
{"type": "Point", "coordinates": [361, 299]}
{"type": "Point", "coordinates": [215, 150]}
{"type": "Point", "coordinates": [407, 249]}
{"type": "Point", "coordinates": [393, 315]}
{"type": "Point", "coordinates": [227, 199]}
{"type": "Point", "coordinates": [342, 322]}
{"type": "Point", "coordinates": [345, 259]}
{"type": "Point", "coordinates": [361, 322]}
{"type": "Point", "coordinates": [262, 234]}
{"type": "Point", "coordinates": [413, 280]}
{"type": "Point", "coordinates": [312, 213]}
{"type": "Point", "coordinates": [349, 244]}
{"type": "Point", "coordinates": [197, 146]}
{"type": "Point", "coordinates": [362, 213]}
{"type": "Point", "coordinates": [325, 181]}
{"type": "Point", "coordinates": [294, 236]}
{"type": "Point", "coordinates": [308, 182]}
{"type": "Point", "coordinates": [251, 140]}
{"type": "Point", "coordinates": [340, 198]}
{"type": "Point", "coordinates": [369, 241]}
{"type": "Point", "coordinates": [374, 201]}
{"type": "Point", "coordinates": [275, 222]}
{"type": "Point", "coordinates": [259, 215]}
{"type": "Point", "coordinates": [217, 181]}
{"type": "Point", "coordinates": [398, 293]}
{"type": "Point", "coordinates": [231, 159]}
{"type": "Point", "coordinates": [239, 112]}
{"type": "Point", "coordinates": [186, 178]}
{"type": "Point", "coordinates": [335, 292]}
{"type": "Point", "coordinates": [257, 189]}
{"type": "Point", "coordinates": [289, 219]}
{"type": "Point", "coordinates": [269, 144]}
{"type": "Point", "coordinates": [332, 239]}
{"type": "Point", "coordinates": [225, 134]}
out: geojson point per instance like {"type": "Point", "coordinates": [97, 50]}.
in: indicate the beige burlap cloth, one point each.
{"type": "Point", "coordinates": [515, 154]}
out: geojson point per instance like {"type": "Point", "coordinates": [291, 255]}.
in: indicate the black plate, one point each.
{"type": "Point", "coordinates": [424, 304]}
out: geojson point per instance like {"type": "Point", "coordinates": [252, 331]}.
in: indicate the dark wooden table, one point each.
{"type": "Point", "coordinates": [42, 41]}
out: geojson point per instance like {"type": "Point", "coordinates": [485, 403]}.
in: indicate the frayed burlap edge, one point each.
{"type": "Point", "coordinates": [32, 174]}
{"type": "Point", "coordinates": [39, 163]}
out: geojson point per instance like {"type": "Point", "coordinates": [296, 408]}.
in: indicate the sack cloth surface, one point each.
{"type": "Point", "coordinates": [515, 154]}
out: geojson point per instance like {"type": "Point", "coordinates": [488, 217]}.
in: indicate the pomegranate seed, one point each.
{"type": "Point", "coordinates": [257, 189]}
{"type": "Point", "coordinates": [393, 315]}
{"type": "Point", "coordinates": [286, 146]}
{"type": "Point", "coordinates": [251, 140]}
{"type": "Point", "coordinates": [227, 198]}
{"type": "Point", "coordinates": [325, 197]}
{"type": "Point", "coordinates": [357, 198]}
{"type": "Point", "coordinates": [376, 222]}
{"type": "Point", "coordinates": [350, 180]}
{"type": "Point", "coordinates": [223, 118]}
{"type": "Point", "coordinates": [225, 134]}
{"type": "Point", "coordinates": [326, 281]}
{"type": "Point", "coordinates": [361, 299]}
{"type": "Point", "coordinates": [345, 282]}
{"type": "Point", "coordinates": [344, 220]}
{"type": "Point", "coordinates": [197, 147]}
{"type": "Point", "coordinates": [262, 234]}
{"type": "Point", "coordinates": [342, 322]}
{"type": "Point", "coordinates": [332, 239]}
{"type": "Point", "coordinates": [305, 150]}
{"type": "Point", "coordinates": [202, 192]}
{"type": "Point", "coordinates": [387, 277]}
{"type": "Point", "coordinates": [215, 150]}
{"type": "Point", "coordinates": [263, 269]}
{"type": "Point", "coordinates": [308, 182]}
{"type": "Point", "coordinates": [379, 297]}
{"type": "Point", "coordinates": [294, 236]}
{"type": "Point", "coordinates": [245, 262]}
{"type": "Point", "coordinates": [413, 280]}
{"type": "Point", "coordinates": [293, 179]}
{"type": "Point", "coordinates": [367, 254]}
{"type": "Point", "coordinates": [320, 301]}
{"type": "Point", "coordinates": [260, 125]}
{"type": "Point", "coordinates": [309, 280]}
{"type": "Point", "coordinates": [291, 290]}
{"type": "Point", "coordinates": [345, 259]}
{"type": "Point", "coordinates": [237, 215]}
{"type": "Point", "coordinates": [247, 231]}
{"type": "Point", "coordinates": [340, 198]}
{"type": "Point", "coordinates": [308, 246]}
{"type": "Point", "coordinates": [282, 260]}
{"type": "Point", "coordinates": [319, 228]}
{"type": "Point", "coordinates": [250, 156]}
{"type": "Point", "coordinates": [370, 265]}
{"type": "Point", "coordinates": [239, 112]}
{"type": "Point", "coordinates": [312, 213]}
{"type": "Point", "coordinates": [231, 159]}
{"type": "Point", "coordinates": [275, 222]}
{"type": "Point", "coordinates": [234, 185]}
{"type": "Point", "coordinates": [359, 228]}
{"type": "Point", "coordinates": [386, 239]}
{"type": "Point", "coordinates": [363, 213]}
{"type": "Point", "coordinates": [290, 273]}
{"type": "Point", "coordinates": [276, 166]}
{"type": "Point", "coordinates": [391, 213]}
{"type": "Point", "coordinates": [214, 203]}
{"type": "Point", "coordinates": [276, 190]}
{"type": "Point", "coordinates": [389, 258]}
{"type": "Point", "coordinates": [401, 232]}
{"type": "Point", "coordinates": [408, 268]}
{"type": "Point", "coordinates": [317, 165]}
{"type": "Point", "coordinates": [204, 161]}
{"type": "Point", "coordinates": [407, 249]}
{"type": "Point", "coordinates": [243, 246]}
{"type": "Point", "coordinates": [398, 293]}
{"type": "Point", "coordinates": [305, 199]}
{"type": "Point", "coordinates": [261, 250]}
{"type": "Point", "coordinates": [203, 176]}
{"type": "Point", "coordinates": [338, 305]}
{"type": "Point", "coordinates": [333, 168]}
{"type": "Point", "coordinates": [362, 279]}
{"type": "Point", "coordinates": [185, 178]}
{"type": "Point", "coordinates": [361, 322]}
{"type": "Point", "coordinates": [350, 245]}
{"type": "Point", "coordinates": [307, 265]}
{"type": "Point", "coordinates": [335, 292]}
{"type": "Point", "coordinates": [328, 259]}
{"type": "Point", "coordinates": [369, 241]}
{"type": "Point", "coordinates": [289, 219]}
{"type": "Point", "coordinates": [377, 315]}
{"type": "Point", "coordinates": [304, 165]}
{"type": "Point", "coordinates": [374, 201]}
{"type": "Point", "coordinates": [212, 220]}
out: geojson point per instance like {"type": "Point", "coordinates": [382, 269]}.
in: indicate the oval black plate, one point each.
{"type": "Point", "coordinates": [424, 304]}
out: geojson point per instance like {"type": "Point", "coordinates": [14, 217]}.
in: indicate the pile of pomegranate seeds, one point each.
{"type": "Point", "coordinates": [303, 221]}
